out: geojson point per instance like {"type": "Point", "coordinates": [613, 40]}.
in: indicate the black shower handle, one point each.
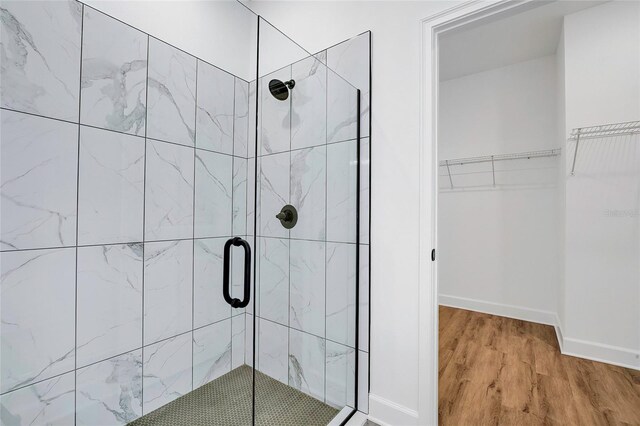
{"type": "Point", "coordinates": [236, 303]}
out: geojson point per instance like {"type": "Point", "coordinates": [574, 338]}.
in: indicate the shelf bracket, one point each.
{"type": "Point", "coordinates": [449, 171]}
{"type": "Point", "coordinates": [493, 170]}
{"type": "Point", "coordinates": [575, 153]}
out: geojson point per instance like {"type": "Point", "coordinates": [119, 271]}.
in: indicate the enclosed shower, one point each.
{"type": "Point", "coordinates": [180, 237]}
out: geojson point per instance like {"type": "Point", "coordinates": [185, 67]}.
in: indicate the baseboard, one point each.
{"type": "Point", "coordinates": [558, 327]}
{"type": "Point", "coordinates": [615, 355]}
{"type": "Point", "coordinates": [386, 413]}
{"type": "Point", "coordinates": [622, 357]}
{"type": "Point", "coordinates": [502, 310]}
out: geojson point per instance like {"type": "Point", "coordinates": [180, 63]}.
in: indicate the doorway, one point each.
{"type": "Point", "coordinates": [518, 183]}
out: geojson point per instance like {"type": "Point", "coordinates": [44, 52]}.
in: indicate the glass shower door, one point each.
{"type": "Point", "coordinates": [305, 170]}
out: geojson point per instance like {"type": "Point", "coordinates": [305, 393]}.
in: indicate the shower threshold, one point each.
{"type": "Point", "coordinates": [227, 401]}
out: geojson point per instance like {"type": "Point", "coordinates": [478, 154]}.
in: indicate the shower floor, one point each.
{"type": "Point", "coordinates": [227, 401]}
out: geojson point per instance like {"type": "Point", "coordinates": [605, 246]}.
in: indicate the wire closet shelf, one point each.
{"type": "Point", "coordinates": [493, 159]}
{"type": "Point", "coordinates": [602, 131]}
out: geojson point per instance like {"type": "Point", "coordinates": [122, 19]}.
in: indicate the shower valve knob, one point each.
{"type": "Point", "coordinates": [288, 216]}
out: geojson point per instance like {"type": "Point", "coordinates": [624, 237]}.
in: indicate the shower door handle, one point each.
{"type": "Point", "coordinates": [236, 303]}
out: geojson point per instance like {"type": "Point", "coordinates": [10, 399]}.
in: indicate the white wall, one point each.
{"type": "Point", "coordinates": [500, 253]}
{"type": "Point", "coordinates": [602, 294]}
{"type": "Point", "coordinates": [561, 187]}
{"type": "Point", "coordinates": [221, 32]}
{"type": "Point", "coordinates": [602, 48]}
{"type": "Point", "coordinates": [395, 139]}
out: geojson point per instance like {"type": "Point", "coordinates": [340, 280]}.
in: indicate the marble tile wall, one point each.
{"type": "Point", "coordinates": [126, 165]}
{"type": "Point", "coordinates": [124, 171]}
{"type": "Point", "coordinates": [307, 156]}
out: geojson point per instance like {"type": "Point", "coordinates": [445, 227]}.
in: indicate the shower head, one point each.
{"type": "Point", "coordinates": [280, 90]}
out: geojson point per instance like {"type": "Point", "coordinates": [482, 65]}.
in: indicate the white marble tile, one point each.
{"type": "Point", "coordinates": [252, 200]}
{"type": "Point", "coordinates": [41, 57]}
{"type": "Point", "coordinates": [307, 363]}
{"type": "Point", "coordinates": [365, 173]}
{"type": "Point", "coordinates": [364, 299]}
{"type": "Point", "coordinates": [351, 60]}
{"type": "Point", "coordinates": [342, 109]}
{"type": "Point", "coordinates": [111, 187]}
{"type": "Point", "coordinates": [275, 116]}
{"type": "Point", "coordinates": [211, 352]}
{"type": "Point", "coordinates": [239, 196]}
{"type": "Point", "coordinates": [50, 402]}
{"type": "Point", "coordinates": [248, 340]}
{"type": "Point", "coordinates": [274, 193]}
{"type": "Point", "coordinates": [341, 293]}
{"type": "Point", "coordinates": [340, 376]}
{"type": "Point", "coordinates": [251, 134]}
{"type": "Point", "coordinates": [208, 303]}
{"type": "Point", "coordinates": [38, 315]}
{"type": "Point", "coordinates": [214, 191]}
{"type": "Point", "coordinates": [273, 285]}
{"type": "Point", "coordinates": [171, 103]}
{"type": "Point", "coordinates": [114, 74]}
{"type": "Point", "coordinates": [241, 119]}
{"type": "Point", "coordinates": [307, 288]}
{"type": "Point", "coordinates": [167, 289]}
{"type": "Point", "coordinates": [238, 340]}
{"type": "Point", "coordinates": [272, 350]}
{"type": "Point", "coordinates": [110, 392]}
{"type": "Point", "coordinates": [308, 192]}
{"type": "Point", "coordinates": [341, 191]}
{"type": "Point", "coordinates": [309, 102]}
{"type": "Point", "coordinates": [38, 181]}
{"type": "Point", "coordinates": [167, 371]}
{"type": "Point", "coordinates": [109, 301]}
{"type": "Point", "coordinates": [169, 191]}
{"type": "Point", "coordinates": [215, 113]}
{"type": "Point", "coordinates": [363, 382]}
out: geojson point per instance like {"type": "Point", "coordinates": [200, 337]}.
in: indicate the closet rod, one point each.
{"type": "Point", "coordinates": [501, 157]}
{"type": "Point", "coordinates": [602, 131]}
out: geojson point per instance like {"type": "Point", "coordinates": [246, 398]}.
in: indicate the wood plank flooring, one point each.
{"type": "Point", "coordinates": [501, 371]}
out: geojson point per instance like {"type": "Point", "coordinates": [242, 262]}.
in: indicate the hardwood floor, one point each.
{"type": "Point", "coordinates": [501, 371]}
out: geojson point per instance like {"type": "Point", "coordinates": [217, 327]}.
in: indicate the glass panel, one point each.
{"type": "Point", "coordinates": [306, 275]}
{"type": "Point", "coordinates": [124, 146]}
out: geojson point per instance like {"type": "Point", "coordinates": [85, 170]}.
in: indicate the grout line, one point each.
{"type": "Point", "coordinates": [326, 202]}
{"type": "Point", "coordinates": [310, 147]}
{"type": "Point", "coordinates": [120, 354]}
{"type": "Point", "coordinates": [144, 221]}
{"type": "Point", "coordinates": [75, 328]}
{"type": "Point", "coordinates": [193, 219]}
{"type": "Point", "coordinates": [121, 133]}
{"type": "Point", "coordinates": [347, 345]}
{"type": "Point", "coordinates": [139, 242]}
{"type": "Point", "coordinates": [116, 356]}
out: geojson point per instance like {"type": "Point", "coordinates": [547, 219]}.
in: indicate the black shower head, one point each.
{"type": "Point", "coordinates": [280, 90]}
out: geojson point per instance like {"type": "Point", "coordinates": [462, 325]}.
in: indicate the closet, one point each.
{"type": "Point", "coordinates": [539, 202]}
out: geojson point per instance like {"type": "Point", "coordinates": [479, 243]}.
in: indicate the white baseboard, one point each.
{"type": "Point", "coordinates": [510, 311]}
{"type": "Point", "coordinates": [615, 355]}
{"type": "Point", "coordinates": [387, 413]}
{"type": "Point", "coordinates": [558, 327]}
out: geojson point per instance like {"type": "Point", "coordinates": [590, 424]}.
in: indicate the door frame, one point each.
{"type": "Point", "coordinates": [431, 28]}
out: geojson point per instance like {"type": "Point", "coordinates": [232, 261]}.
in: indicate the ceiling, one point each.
{"type": "Point", "coordinates": [527, 33]}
